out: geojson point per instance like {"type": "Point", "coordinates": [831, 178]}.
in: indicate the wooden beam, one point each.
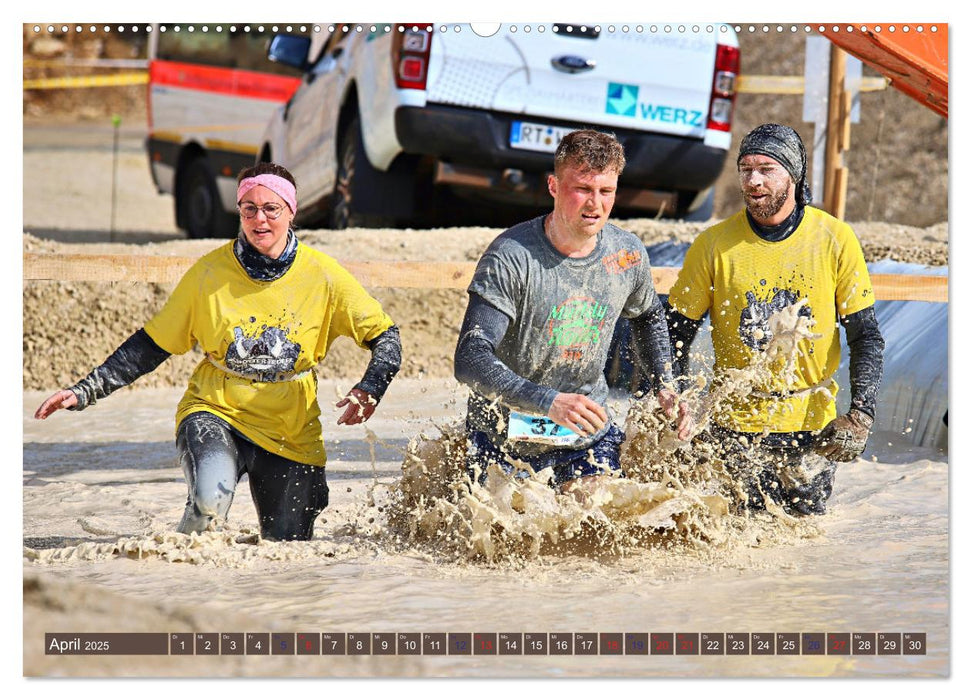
{"type": "Point", "coordinates": [78, 267]}
{"type": "Point", "coordinates": [846, 117]}
{"type": "Point", "coordinates": [400, 275]}
{"type": "Point", "coordinates": [793, 84]}
{"type": "Point", "coordinates": [834, 129]}
{"type": "Point", "coordinates": [165, 269]}
{"type": "Point", "coordinates": [841, 183]}
{"type": "Point", "coordinates": [888, 287]}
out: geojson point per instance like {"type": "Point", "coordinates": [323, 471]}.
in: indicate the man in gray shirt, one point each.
{"type": "Point", "coordinates": [542, 308]}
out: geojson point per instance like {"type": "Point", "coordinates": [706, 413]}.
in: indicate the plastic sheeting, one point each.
{"type": "Point", "coordinates": [914, 393]}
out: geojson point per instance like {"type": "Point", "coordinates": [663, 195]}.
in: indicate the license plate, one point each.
{"type": "Point", "coordinates": [530, 136]}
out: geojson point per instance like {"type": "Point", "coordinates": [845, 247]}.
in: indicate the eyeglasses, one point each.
{"type": "Point", "coordinates": [272, 211]}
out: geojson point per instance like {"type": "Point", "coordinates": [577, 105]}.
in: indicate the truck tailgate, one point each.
{"type": "Point", "coordinates": [647, 81]}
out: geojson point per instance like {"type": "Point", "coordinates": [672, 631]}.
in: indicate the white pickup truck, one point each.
{"type": "Point", "coordinates": [399, 121]}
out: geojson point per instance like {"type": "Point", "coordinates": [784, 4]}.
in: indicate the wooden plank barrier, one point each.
{"type": "Point", "coordinates": [793, 84]}
{"type": "Point", "coordinates": [402, 275]}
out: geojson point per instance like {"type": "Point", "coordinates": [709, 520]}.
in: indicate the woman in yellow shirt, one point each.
{"type": "Point", "coordinates": [264, 309]}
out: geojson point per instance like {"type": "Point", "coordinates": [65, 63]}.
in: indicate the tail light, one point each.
{"type": "Point", "coordinates": [410, 49]}
{"type": "Point", "coordinates": [722, 107]}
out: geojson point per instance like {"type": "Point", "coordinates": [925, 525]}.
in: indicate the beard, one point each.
{"type": "Point", "coordinates": [769, 206]}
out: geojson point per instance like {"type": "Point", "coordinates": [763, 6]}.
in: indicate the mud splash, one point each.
{"type": "Point", "coordinates": [226, 547]}
{"type": "Point", "coordinates": [675, 500]}
{"type": "Point", "coordinates": [678, 497]}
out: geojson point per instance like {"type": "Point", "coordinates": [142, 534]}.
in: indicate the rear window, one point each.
{"type": "Point", "coordinates": [216, 45]}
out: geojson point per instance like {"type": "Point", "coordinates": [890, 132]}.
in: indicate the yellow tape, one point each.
{"type": "Point", "coordinates": [176, 136]}
{"type": "Point", "coordinates": [87, 81]}
{"type": "Point", "coordinates": [216, 144]}
{"type": "Point", "coordinates": [749, 84]}
{"type": "Point", "coordinates": [174, 133]}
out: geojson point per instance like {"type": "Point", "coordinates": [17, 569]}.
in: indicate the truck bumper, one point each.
{"type": "Point", "coordinates": [480, 140]}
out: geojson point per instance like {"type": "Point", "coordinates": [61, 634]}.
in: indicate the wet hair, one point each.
{"type": "Point", "coordinates": [588, 149]}
{"type": "Point", "coordinates": [265, 169]}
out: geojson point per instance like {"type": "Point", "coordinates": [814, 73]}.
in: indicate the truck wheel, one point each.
{"type": "Point", "coordinates": [200, 212]}
{"type": "Point", "coordinates": [342, 200]}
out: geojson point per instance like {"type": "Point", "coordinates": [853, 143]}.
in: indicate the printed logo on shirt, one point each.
{"type": "Point", "coordinates": [753, 324]}
{"type": "Point", "coordinates": [576, 323]}
{"type": "Point", "coordinates": [622, 261]}
{"type": "Point", "coordinates": [262, 355]}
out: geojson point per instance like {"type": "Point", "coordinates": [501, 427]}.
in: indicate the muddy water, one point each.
{"type": "Point", "coordinates": [102, 495]}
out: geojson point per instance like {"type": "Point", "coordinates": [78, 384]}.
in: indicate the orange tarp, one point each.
{"type": "Point", "coordinates": [914, 61]}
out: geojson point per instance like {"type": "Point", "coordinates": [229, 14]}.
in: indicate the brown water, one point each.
{"type": "Point", "coordinates": [102, 494]}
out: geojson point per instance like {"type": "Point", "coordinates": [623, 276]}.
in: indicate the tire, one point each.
{"type": "Point", "coordinates": [341, 214]}
{"type": "Point", "coordinates": [200, 212]}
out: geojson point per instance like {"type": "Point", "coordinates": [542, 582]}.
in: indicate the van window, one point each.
{"type": "Point", "coordinates": [239, 49]}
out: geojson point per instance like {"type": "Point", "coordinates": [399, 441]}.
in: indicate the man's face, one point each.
{"type": "Point", "coordinates": [766, 188]}
{"type": "Point", "coordinates": [582, 199]}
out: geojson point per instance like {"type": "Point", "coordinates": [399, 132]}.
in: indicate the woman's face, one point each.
{"type": "Point", "coordinates": [269, 236]}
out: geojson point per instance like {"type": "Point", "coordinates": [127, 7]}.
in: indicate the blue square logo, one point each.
{"type": "Point", "coordinates": [622, 99]}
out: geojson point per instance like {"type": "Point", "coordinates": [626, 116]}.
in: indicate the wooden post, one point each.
{"type": "Point", "coordinates": [837, 136]}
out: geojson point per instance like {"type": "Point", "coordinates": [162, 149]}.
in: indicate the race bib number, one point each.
{"type": "Point", "coordinates": [527, 428]}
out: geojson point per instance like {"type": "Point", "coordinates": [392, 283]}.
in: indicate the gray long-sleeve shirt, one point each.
{"type": "Point", "coordinates": [540, 323]}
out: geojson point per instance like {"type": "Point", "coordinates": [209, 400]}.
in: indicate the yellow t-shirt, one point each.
{"type": "Point", "coordinates": [741, 279]}
{"type": "Point", "coordinates": [260, 331]}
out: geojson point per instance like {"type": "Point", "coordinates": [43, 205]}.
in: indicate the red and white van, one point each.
{"type": "Point", "coordinates": [211, 92]}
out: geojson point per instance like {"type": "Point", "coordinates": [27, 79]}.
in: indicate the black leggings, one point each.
{"type": "Point", "coordinates": [288, 495]}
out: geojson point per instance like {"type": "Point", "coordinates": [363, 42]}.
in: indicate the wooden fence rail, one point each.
{"type": "Point", "coordinates": [403, 275]}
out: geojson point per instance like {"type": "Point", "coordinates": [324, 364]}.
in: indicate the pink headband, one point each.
{"type": "Point", "coordinates": [276, 184]}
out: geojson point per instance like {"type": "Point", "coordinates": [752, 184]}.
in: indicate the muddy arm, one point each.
{"type": "Point", "coordinates": [136, 356]}
{"type": "Point", "coordinates": [384, 364]}
{"type": "Point", "coordinates": [477, 365]}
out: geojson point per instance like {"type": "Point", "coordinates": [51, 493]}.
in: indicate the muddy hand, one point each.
{"type": "Point", "coordinates": [844, 438]}
{"type": "Point", "coordinates": [359, 407]}
{"type": "Point", "coordinates": [674, 408]}
{"type": "Point", "coordinates": [578, 413]}
{"type": "Point", "coordinates": [64, 398]}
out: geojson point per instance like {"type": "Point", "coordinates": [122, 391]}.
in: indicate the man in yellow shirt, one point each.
{"type": "Point", "coordinates": [781, 255]}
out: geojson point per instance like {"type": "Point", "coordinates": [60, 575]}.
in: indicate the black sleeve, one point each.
{"type": "Point", "coordinates": [681, 332]}
{"type": "Point", "coordinates": [477, 365]}
{"type": "Point", "coordinates": [385, 363]}
{"type": "Point", "coordinates": [652, 348]}
{"type": "Point", "coordinates": [136, 356]}
{"type": "Point", "coordinates": [866, 359]}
